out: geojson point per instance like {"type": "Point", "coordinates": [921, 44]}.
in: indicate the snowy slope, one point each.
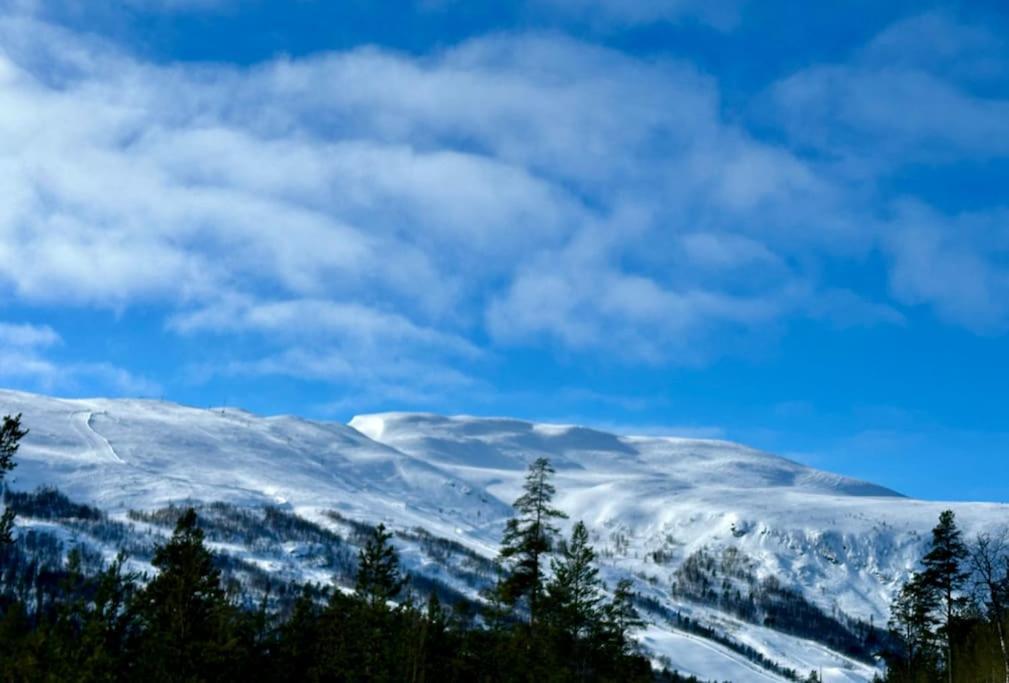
{"type": "Point", "coordinates": [649, 502]}
{"type": "Point", "coordinates": [845, 541]}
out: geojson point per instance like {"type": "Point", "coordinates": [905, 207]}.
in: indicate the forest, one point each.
{"type": "Point", "coordinates": [949, 619]}
{"type": "Point", "coordinates": [87, 620]}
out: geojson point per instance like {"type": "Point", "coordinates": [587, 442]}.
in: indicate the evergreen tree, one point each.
{"type": "Point", "coordinates": [529, 536]}
{"type": "Point", "coordinates": [621, 618]}
{"type": "Point", "coordinates": [574, 593]}
{"type": "Point", "coordinates": [945, 573]}
{"type": "Point", "coordinates": [378, 577]}
{"type": "Point", "coordinates": [298, 638]}
{"type": "Point", "coordinates": [111, 627]}
{"type": "Point", "coordinates": [93, 627]}
{"type": "Point", "coordinates": [912, 620]}
{"type": "Point", "coordinates": [10, 437]}
{"type": "Point", "coordinates": [181, 627]}
{"type": "Point", "coordinates": [185, 613]}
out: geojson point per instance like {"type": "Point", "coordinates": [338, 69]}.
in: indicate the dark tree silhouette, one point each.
{"type": "Point", "coordinates": [528, 537]}
{"type": "Point", "coordinates": [11, 434]}
{"type": "Point", "coordinates": [946, 574]}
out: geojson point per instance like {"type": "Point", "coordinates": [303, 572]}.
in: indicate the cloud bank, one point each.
{"type": "Point", "coordinates": [372, 217]}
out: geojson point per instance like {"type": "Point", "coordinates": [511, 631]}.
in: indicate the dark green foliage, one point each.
{"type": "Point", "coordinates": [621, 619]}
{"type": "Point", "coordinates": [945, 631]}
{"type": "Point", "coordinates": [11, 434]}
{"type": "Point", "coordinates": [528, 537]}
{"type": "Point", "coordinates": [186, 618]}
{"type": "Point", "coordinates": [263, 530]}
{"type": "Point", "coordinates": [575, 592]}
{"type": "Point", "coordinates": [378, 578]}
{"type": "Point", "coordinates": [92, 631]}
{"type": "Point", "coordinates": [912, 618]}
{"type": "Point", "coordinates": [47, 502]}
{"type": "Point", "coordinates": [83, 620]}
{"type": "Point", "coordinates": [573, 633]}
{"type": "Point", "coordinates": [945, 575]}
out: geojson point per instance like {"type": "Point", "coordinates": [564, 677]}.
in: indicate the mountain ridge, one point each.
{"type": "Point", "coordinates": [651, 503]}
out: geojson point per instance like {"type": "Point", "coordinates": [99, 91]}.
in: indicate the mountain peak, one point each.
{"type": "Point", "coordinates": [650, 502]}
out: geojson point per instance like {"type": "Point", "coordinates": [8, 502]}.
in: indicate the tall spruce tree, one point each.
{"type": "Point", "coordinates": [946, 574]}
{"type": "Point", "coordinates": [528, 537]}
{"type": "Point", "coordinates": [184, 609]}
{"type": "Point", "coordinates": [378, 577]}
{"type": "Point", "coordinates": [913, 620]}
{"type": "Point", "coordinates": [621, 618]}
{"type": "Point", "coordinates": [111, 625]}
{"type": "Point", "coordinates": [11, 434]}
{"type": "Point", "coordinates": [575, 591]}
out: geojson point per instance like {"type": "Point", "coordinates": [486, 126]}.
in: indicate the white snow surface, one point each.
{"type": "Point", "coordinates": [845, 544]}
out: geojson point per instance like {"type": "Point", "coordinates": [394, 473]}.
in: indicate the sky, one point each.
{"type": "Point", "coordinates": [779, 223]}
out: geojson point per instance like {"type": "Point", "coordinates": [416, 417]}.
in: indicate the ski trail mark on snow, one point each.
{"type": "Point", "coordinates": [96, 442]}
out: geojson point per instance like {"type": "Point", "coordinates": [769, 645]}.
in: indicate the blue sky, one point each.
{"type": "Point", "coordinates": [780, 223]}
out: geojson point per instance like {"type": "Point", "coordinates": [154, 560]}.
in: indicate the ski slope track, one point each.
{"type": "Point", "coordinates": [649, 502]}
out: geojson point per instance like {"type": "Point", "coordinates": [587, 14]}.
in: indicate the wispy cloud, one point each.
{"type": "Point", "coordinates": [25, 360]}
{"type": "Point", "coordinates": [956, 264]}
{"type": "Point", "coordinates": [909, 95]}
{"type": "Point", "coordinates": [25, 336]}
{"type": "Point", "coordinates": [381, 216]}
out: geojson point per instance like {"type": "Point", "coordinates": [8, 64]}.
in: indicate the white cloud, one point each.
{"type": "Point", "coordinates": [74, 7]}
{"type": "Point", "coordinates": [720, 251]}
{"type": "Point", "coordinates": [959, 265]}
{"type": "Point", "coordinates": [422, 186]}
{"type": "Point", "coordinates": [368, 214]}
{"type": "Point", "coordinates": [320, 320]}
{"type": "Point", "coordinates": [582, 299]}
{"type": "Point", "coordinates": [935, 41]}
{"type": "Point", "coordinates": [24, 361]}
{"type": "Point", "coordinates": [25, 336]}
{"type": "Point", "coordinates": [926, 93]}
{"type": "Point", "coordinates": [909, 95]}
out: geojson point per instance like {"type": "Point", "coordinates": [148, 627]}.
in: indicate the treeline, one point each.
{"type": "Point", "coordinates": [92, 621]}
{"type": "Point", "coordinates": [950, 619]}
{"type": "Point", "coordinates": [728, 582]}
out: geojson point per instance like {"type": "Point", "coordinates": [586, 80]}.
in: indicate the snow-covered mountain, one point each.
{"type": "Point", "coordinates": [656, 506]}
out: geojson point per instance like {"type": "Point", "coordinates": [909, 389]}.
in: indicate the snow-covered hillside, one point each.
{"type": "Point", "coordinates": [651, 504]}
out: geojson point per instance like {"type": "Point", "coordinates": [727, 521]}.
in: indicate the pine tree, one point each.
{"type": "Point", "coordinates": [184, 609]}
{"type": "Point", "coordinates": [10, 437]}
{"type": "Point", "coordinates": [529, 536]}
{"type": "Point", "coordinates": [574, 593]}
{"type": "Point", "coordinates": [621, 618]}
{"type": "Point", "coordinates": [111, 626]}
{"type": "Point", "coordinates": [912, 620]}
{"type": "Point", "coordinates": [298, 640]}
{"type": "Point", "coordinates": [92, 624]}
{"type": "Point", "coordinates": [945, 573]}
{"type": "Point", "coordinates": [378, 577]}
